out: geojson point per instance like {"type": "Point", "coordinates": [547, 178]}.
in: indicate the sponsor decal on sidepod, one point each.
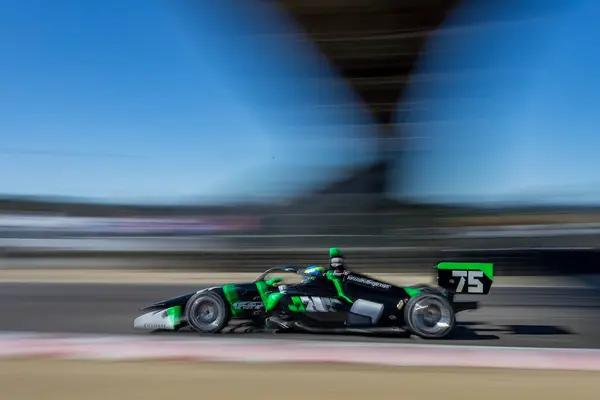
{"type": "Point", "coordinates": [248, 305]}
{"type": "Point", "coordinates": [368, 282]}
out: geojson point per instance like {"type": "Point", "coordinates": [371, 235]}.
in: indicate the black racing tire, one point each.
{"type": "Point", "coordinates": [439, 321]}
{"type": "Point", "coordinates": [207, 312]}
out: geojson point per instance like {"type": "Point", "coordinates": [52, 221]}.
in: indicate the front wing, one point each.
{"type": "Point", "coordinates": [169, 319]}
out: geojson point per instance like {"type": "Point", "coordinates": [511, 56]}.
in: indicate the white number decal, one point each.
{"type": "Point", "coordinates": [319, 304]}
{"type": "Point", "coordinates": [461, 283]}
{"type": "Point", "coordinates": [474, 283]}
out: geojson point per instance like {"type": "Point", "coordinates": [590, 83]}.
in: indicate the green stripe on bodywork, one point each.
{"type": "Point", "coordinates": [273, 300]}
{"type": "Point", "coordinates": [486, 268]}
{"type": "Point", "coordinates": [298, 306]}
{"type": "Point", "coordinates": [338, 286]}
{"type": "Point", "coordinates": [412, 292]}
{"type": "Point", "coordinates": [230, 292]}
{"type": "Point", "coordinates": [273, 281]}
{"type": "Point", "coordinates": [174, 314]}
{"type": "Point", "coordinates": [263, 290]}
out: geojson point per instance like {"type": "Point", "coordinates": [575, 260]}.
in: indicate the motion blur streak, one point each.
{"type": "Point", "coordinates": [534, 317]}
{"type": "Point", "coordinates": [228, 136]}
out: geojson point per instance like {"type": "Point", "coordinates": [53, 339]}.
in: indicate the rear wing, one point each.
{"type": "Point", "coordinates": [465, 277]}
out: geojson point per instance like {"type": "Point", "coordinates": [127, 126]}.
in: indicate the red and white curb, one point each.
{"type": "Point", "coordinates": [84, 347]}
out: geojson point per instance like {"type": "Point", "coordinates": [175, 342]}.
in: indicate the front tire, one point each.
{"type": "Point", "coordinates": [429, 316]}
{"type": "Point", "coordinates": [207, 313]}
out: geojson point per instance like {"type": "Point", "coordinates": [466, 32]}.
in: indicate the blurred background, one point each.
{"type": "Point", "coordinates": [241, 134]}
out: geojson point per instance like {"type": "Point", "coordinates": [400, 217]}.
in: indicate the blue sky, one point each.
{"type": "Point", "coordinates": [145, 100]}
{"type": "Point", "coordinates": [519, 117]}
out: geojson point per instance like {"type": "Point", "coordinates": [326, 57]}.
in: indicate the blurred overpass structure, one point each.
{"type": "Point", "coordinates": [375, 45]}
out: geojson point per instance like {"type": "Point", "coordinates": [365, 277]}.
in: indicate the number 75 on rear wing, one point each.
{"type": "Point", "coordinates": [465, 277]}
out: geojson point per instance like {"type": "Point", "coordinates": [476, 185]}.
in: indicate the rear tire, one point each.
{"type": "Point", "coordinates": [429, 315]}
{"type": "Point", "coordinates": [207, 313]}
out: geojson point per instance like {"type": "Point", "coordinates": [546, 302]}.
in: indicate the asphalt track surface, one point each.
{"type": "Point", "coordinates": [521, 317]}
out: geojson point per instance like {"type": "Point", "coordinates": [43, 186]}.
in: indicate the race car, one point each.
{"type": "Point", "coordinates": [342, 303]}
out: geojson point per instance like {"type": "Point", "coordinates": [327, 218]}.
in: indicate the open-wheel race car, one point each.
{"type": "Point", "coordinates": [347, 302]}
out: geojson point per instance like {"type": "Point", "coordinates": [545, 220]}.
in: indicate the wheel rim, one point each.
{"type": "Point", "coordinates": [432, 316]}
{"type": "Point", "coordinates": [206, 313]}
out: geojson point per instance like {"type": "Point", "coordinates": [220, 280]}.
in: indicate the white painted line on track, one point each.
{"type": "Point", "coordinates": [83, 337]}
{"type": "Point", "coordinates": [102, 347]}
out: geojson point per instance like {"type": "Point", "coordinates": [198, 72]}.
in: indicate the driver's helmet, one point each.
{"type": "Point", "coordinates": [336, 258]}
{"type": "Point", "coordinates": [312, 272]}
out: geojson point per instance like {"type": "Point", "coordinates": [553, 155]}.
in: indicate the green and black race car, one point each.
{"type": "Point", "coordinates": [335, 302]}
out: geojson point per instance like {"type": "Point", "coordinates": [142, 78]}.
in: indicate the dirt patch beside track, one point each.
{"type": "Point", "coordinates": [87, 380]}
